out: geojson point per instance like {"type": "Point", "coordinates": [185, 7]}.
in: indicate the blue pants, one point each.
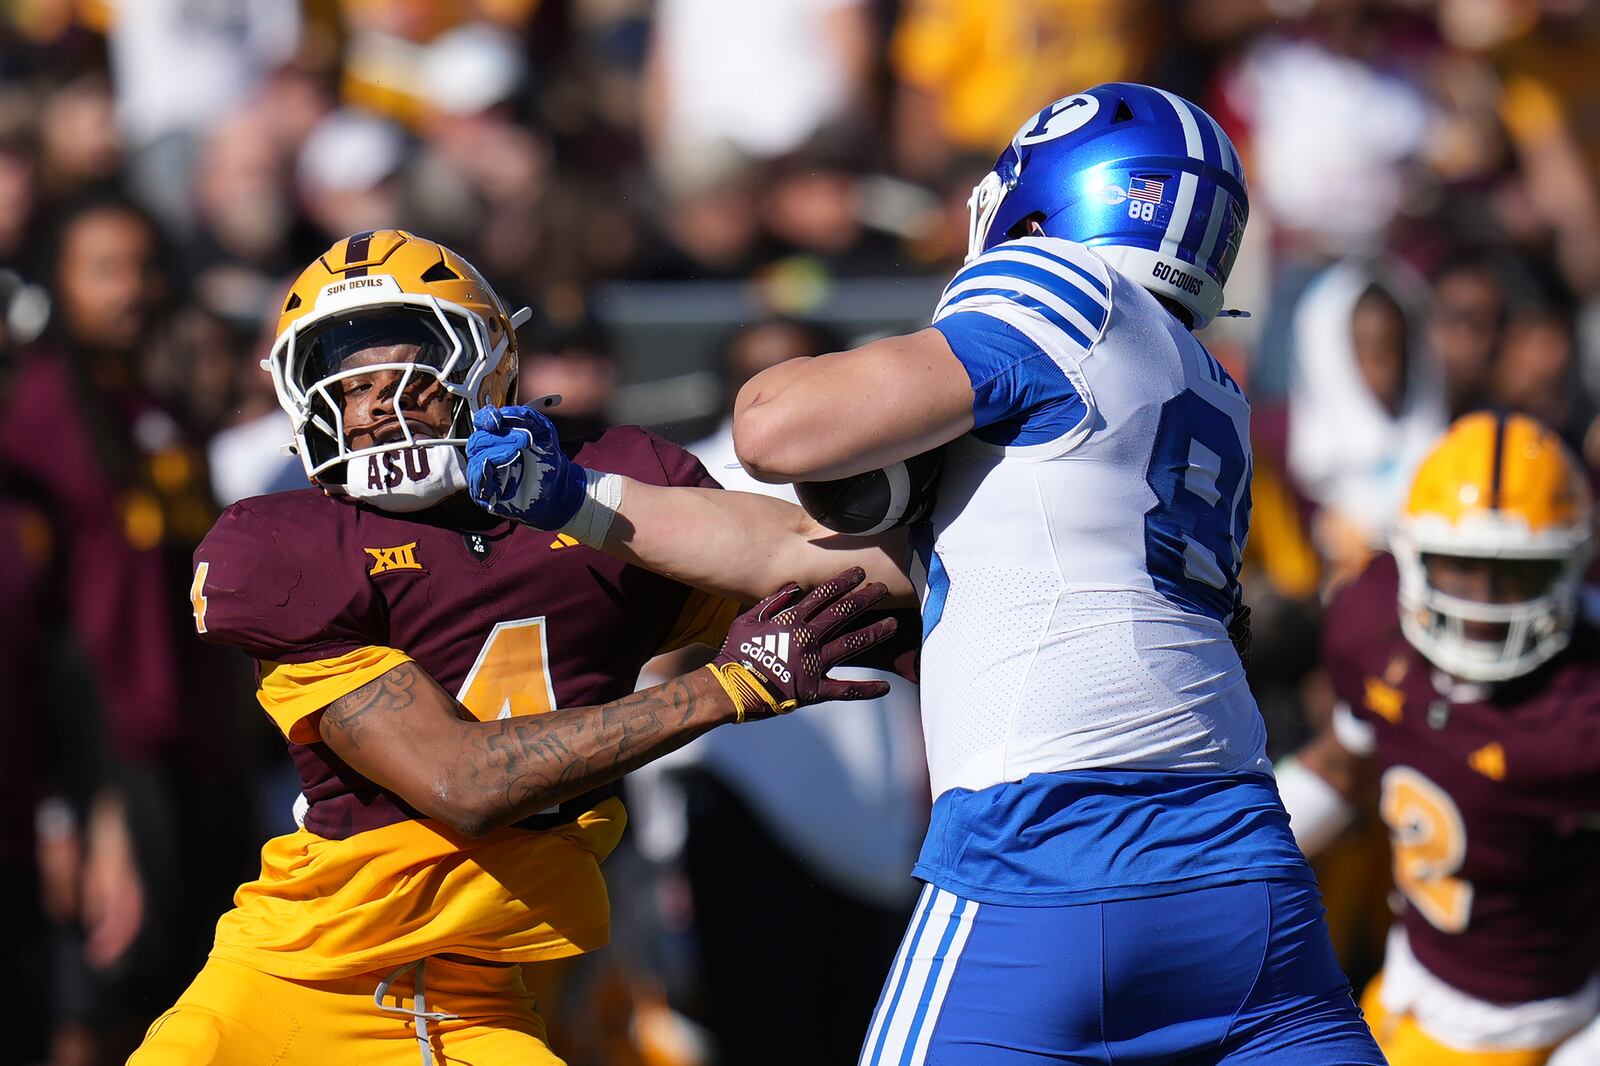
{"type": "Point", "coordinates": [1229, 975]}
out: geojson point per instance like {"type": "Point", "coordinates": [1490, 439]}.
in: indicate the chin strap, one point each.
{"type": "Point", "coordinates": [982, 206]}
{"type": "Point", "coordinates": [418, 1010]}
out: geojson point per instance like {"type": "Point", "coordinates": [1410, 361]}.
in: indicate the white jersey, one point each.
{"type": "Point", "coordinates": [1086, 544]}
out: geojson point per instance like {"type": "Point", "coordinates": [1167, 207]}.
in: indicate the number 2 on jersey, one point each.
{"type": "Point", "coordinates": [1430, 843]}
{"type": "Point", "coordinates": [1200, 473]}
{"type": "Point", "coordinates": [512, 674]}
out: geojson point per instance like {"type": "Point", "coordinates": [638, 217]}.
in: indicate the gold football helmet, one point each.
{"type": "Point", "coordinates": [1500, 493]}
{"type": "Point", "coordinates": [382, 288]}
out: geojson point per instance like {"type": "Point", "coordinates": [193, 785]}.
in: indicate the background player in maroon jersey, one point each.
{"type": "Point", "coordinates": [1476, 712]}
{"type": "Point", "coordinates": [456, 690]}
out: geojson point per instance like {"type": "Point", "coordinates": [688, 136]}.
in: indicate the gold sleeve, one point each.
{"type": "Point", "coordinates": [704, 620]}
{"type": "Point", "coordinates": [292, 693]}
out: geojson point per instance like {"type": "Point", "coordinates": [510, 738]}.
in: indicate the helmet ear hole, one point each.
{"type": "Point", "coordinates": [1024, 226]}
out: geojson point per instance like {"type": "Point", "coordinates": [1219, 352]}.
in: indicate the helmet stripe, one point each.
{"type": "Point", "coordinates": [356, 251]}
{"type": "Point", "coordinates": [1183, 209]}
{"type": "Point", "coordinates": [1210, 147]}
{"type": "Point", "coordinates": [1230, 160]}
{"type": "Point", "coordinates": [1497, 463]}
{"type": "Point", "coordinates": [1191, 131]}
{"type": "Point", "coordinates": [1208, 243]}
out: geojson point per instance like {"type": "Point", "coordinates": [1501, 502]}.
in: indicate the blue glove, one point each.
{"type": "Point", "coordinates": [516, 468]}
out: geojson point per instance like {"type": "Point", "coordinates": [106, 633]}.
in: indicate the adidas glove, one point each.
{"type": "Point", "coordinates": [778, 653]}
{"type": "Point", "coordinates": [516, 468]}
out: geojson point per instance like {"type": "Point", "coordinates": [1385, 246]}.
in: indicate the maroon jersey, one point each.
{"type": "Point", "coordinates": [1492, 798]}
{"type": "Point", "coordinates": [325, 594]}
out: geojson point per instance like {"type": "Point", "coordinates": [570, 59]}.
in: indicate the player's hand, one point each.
{"type": "Point", "coordinates": [1239, 631]}
{"type": "Point", "coordinates": [778, 653]}
{"type": "Point", "coordinates": [516, 468]}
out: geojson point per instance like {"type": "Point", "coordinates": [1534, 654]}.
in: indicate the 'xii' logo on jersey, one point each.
{"type": "Point", "coordinates": [385, 559]}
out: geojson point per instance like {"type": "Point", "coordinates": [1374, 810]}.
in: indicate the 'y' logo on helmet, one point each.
{"type": "Point", "coordinates": [1059, 119]}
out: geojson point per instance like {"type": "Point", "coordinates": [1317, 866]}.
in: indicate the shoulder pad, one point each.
{"type": "Point", "coordinates": [266, 581]}
{"type": "Point", "coordinates": [1054, 290]}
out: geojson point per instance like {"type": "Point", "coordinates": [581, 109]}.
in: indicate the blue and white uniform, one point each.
{"type": "Point", "coordinates": [1110, 873]}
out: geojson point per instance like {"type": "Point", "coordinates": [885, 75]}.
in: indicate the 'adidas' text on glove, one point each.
{"type": "Point", "coordinates": [778, 653]}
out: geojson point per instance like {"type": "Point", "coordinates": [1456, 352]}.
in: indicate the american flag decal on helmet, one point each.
{"type": "Point", "coordinates": [1148, 189]}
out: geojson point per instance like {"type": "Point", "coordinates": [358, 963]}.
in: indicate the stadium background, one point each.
{"type": "Point", "coordinates": [683, 189]}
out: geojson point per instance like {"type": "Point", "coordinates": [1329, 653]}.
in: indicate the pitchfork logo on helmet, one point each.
{"type": "Point", "coordinates": [1501, 494]}
{"type": "Point", "coordinates": [387, 291]}
{"type": "Point", "coordinates": [1145, 178]}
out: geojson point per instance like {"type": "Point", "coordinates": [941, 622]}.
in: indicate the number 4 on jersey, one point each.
{"type": "Point", "coordinates": [512, 674]}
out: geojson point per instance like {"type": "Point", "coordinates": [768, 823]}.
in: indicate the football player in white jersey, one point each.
{"type": "Point", "coordinates": [1110, 877]}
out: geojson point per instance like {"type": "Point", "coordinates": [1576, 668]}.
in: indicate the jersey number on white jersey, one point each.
{"type": "Point", "coordinates": [1200, 472]}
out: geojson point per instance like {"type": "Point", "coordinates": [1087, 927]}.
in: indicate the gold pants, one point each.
{"type": "Point", "coordinates": [1405, 1044]}
{"type": "Point", "coordinates": [233, 1015]}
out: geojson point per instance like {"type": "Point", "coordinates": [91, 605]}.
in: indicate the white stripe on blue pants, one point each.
{"type": "Point", "coordinates": [914, 994]}
{"type": "Point", "coordinates": [1228, 975]}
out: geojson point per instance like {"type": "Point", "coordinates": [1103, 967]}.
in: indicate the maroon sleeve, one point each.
{"type": "Point", "coordinates": [678, 466]}
{"type": "Point", "coordinates": [262, 586]}
{"type": "Point", "coordinates": [1361, 618]}
{"type": "Point", "coordinates": [641, 455]}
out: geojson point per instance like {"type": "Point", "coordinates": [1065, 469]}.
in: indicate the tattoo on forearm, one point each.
{"type": "Point", "coordinates": [391, 692]}
{"type": "Point", "coordinates": [534, 761]}
{"type": "Point", "coordinates": [508, 769]}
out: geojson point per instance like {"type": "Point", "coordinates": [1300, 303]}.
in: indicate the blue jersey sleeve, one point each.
{"type": "Point", "coordinates": [1021, 318]}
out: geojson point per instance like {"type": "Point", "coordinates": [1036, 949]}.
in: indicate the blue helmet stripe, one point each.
{"type": "Point", "coordinates": [1208, 243]}
{"type": "Point", "coordinates": [997, 271]}
{"type": "Point", "coordinates": [1218, 154]}
{"type": "Point", "coordinates": [1210, 147]}
{"type": "Point", "coordinates": [1230, 158]}
{"type": "Point", "coordinates": [1183, 210]}
{"type": "Point", "coordinates": [1176, 243]}
{"type": "Point", "coordinates": [1049, 314]}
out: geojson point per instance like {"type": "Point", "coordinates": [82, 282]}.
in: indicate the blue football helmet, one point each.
{"type": "Point", "coordinates": [1144, 177]}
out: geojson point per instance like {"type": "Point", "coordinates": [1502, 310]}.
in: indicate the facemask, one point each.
{"type": "Point", "coordinates": [408, 479]}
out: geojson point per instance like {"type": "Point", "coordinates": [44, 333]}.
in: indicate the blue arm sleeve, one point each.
{"type": "Point", "coordinates": [1020, 396]}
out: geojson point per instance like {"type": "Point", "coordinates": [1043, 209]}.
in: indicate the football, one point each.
{"type": "Point", "coordinates": [878, 500]}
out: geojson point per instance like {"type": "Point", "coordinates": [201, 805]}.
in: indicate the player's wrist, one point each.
{"type": "Point", "coordinates": [748, 693]}
{"type": "Point", "coordinates": [1317, 811]}
{"type": "Point", "coordinates": [594, 498]}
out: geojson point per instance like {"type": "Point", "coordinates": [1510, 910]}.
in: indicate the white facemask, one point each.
{"type": "Point", "coordinates": [408, 479]}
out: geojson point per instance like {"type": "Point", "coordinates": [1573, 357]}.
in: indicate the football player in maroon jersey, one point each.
{"type": "Point", "coordinates": [1476, 713]}
{"type": "Point", "coordinates": [456, 689]}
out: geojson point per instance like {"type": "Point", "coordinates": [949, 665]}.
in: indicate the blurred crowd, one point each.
{"type": "Point", "coordinates": [1424, 241]}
